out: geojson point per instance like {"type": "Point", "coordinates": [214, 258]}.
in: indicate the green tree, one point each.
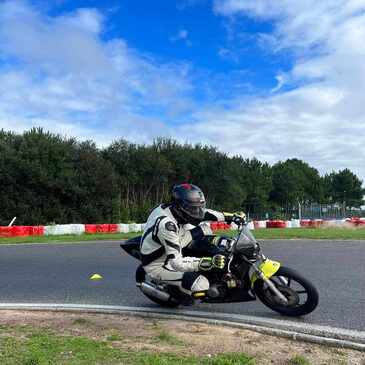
{"type": "Point", "coordinates": [344, 187]}
{"type": "Point", "coordinates": [294, 182]}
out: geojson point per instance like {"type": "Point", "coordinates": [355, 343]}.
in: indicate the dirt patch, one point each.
{"type": "Point", "coordinates": [138, 334]}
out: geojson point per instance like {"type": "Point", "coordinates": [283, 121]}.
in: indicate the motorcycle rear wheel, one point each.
{"type": "Point", "coordinates": [283, 279]}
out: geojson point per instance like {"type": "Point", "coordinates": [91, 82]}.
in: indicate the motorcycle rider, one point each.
{"type": "Point", "coordinates": [177, 225]}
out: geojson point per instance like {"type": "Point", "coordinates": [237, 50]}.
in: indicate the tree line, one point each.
{"type": "Point", "coordinates": [47, 178]}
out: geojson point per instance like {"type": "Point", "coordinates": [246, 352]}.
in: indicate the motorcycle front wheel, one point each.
{"type": "Point", "coordinates": [301, 294]}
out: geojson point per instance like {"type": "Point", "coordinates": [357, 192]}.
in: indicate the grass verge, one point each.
{"type": "Point", "coordinates": [38, 348]}
{"type": "Point", "coordinates": [311, 233]}
{"type": "Point", "coordinates": [68, 238]}
{"type": "Point", "coordinates": [48, 338]}
{"type": "Point", "coordinates": [268, 233]}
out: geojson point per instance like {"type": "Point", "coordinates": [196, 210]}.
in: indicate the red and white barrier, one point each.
{"type": "Point", "coordinates": [61, 229]}
{"type": "Point", "coordinates": [78, 229]}
{"type": "Point", "coordinates": [21, 231]}
{"type": "Point", "coordinates": [259, 224]}
{"type": "Point", "coordinates": [123, 228]}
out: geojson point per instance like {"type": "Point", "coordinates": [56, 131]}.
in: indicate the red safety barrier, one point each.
{"type": "Point", "coordinates": [5, 231]}
{"type": "Point", "coordinates": [219, 226]}
{"type": "Point", "coordinates": [305, 223]}
{"type": "Point", "coordinates": [21, 231]}
{"type": "Point", "coordinates": [113, 228]}
{"type": "Point", "coordinates": [356, 221]}
{"type": "Point", "coordinates": [214, 226]}
{"type": "Point", "coordinates": [37, 230]}
{"type": "Point", "coordinates": [276, 224]}
{"type": "Point", "coordinates": [315, 223]}
{"type": "Point", "coordinates": [102, 228]}
{"type": "Point", "coordinates": [90, 228]}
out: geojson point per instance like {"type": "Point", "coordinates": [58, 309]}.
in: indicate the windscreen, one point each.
{"type": "Point", "coordinates": [245, 237]}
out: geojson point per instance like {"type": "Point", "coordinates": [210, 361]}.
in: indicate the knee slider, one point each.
{"type": "Point", "coordinates": [195, 282]}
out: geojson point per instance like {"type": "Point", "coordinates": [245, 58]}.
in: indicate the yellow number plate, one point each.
{"type": "Point", "coordinates": [268, 267]}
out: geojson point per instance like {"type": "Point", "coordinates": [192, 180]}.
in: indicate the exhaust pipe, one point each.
{"type": "Point", "coordinates": [154, 292]}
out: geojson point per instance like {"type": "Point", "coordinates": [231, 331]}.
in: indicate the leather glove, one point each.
{"type": "Point", "coordinates": [238, 218]}
{"type": "Point", "coordinates": [215, 262]}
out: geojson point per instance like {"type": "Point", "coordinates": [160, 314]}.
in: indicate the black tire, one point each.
{"type": "Point", "coordinates": [140, 277]}
{"type": "Point", "coordinates": [296, 309]}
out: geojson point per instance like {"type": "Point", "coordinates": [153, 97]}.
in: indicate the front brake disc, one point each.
{"type": "Point", "coordinates": [290, 294]}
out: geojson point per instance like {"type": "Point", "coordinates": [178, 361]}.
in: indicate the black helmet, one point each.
{"type": "Point", "coordinates": [188, 204]}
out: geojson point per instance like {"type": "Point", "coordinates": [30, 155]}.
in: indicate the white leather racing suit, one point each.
{"type": "Point", "coordinates": [161, 248]}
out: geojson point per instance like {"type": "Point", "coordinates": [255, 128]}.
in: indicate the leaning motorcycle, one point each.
{"type": "Point", "coordinates": [248, 275]}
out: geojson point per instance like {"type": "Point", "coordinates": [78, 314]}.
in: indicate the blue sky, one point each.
{"type": "Point", "coordinates": [191, 33]}
{"type": "Point", "coordinates": [271, 79]}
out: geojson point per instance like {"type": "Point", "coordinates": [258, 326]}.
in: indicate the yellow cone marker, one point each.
{"type": "Point", "coordinates": [96, 277]}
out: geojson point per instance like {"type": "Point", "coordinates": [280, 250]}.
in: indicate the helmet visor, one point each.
{"type": "Point", "coordinates": [196, 210]}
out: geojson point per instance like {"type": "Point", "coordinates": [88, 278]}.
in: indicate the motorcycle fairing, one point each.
{"type": "Point", "coordinates": [268, 268]}
{"type": "Point", "coordinates": [132, 247]}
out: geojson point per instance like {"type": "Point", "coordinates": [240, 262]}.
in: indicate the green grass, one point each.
{"type": "Point", "coordinates": [169, 339]}
{"type": "Point", "coordinates": [298, 360]}
{"type": "Point", "coordinates": [81, 322]}
{"type": "Point", "coordinates": [68, 238]}
{"type": "Point", "coordinates": [114, 337]}
{"type": "Point", "coordinates": [40, 348]}
{"type": "Point", "coordinates": [310, 233]}
{"type": "Point", "coordinates": [271, 233]}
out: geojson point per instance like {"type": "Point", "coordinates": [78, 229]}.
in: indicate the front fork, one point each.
{"type": "Point", "coordinates": [264, 269]}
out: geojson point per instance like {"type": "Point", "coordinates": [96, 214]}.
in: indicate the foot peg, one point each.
{"type": "Point", "coordinates": [199, 294]}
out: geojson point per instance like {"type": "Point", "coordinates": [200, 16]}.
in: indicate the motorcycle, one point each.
{"type": "Point", "coordinates": [248, 275]}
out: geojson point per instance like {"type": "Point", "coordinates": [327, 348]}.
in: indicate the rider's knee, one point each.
{"type": "Point", "coordinates": [195, 282]}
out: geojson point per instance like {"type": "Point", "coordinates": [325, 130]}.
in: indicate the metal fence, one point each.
{"type": "Point", "coordinates": [326, 211]}
{"type": "Point", "coordinates": [306, 211]}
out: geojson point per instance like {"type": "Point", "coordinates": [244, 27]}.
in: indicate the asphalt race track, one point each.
{"type": "Point", "coordinates": [59, 273]}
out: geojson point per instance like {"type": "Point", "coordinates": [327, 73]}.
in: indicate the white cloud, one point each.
{"type": "Point", "coordinates": [56, 71]}
{"type": "Point", "coordinates": [182, 35]}
{"type": "Point", "coordinates": [320, 117]}
{"type": "Point", "coordinates": [59, 73]}
{"type": "Point", "coordinates": [228, 54]}
{"type": "Point", "coordinates": [281, 80]}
